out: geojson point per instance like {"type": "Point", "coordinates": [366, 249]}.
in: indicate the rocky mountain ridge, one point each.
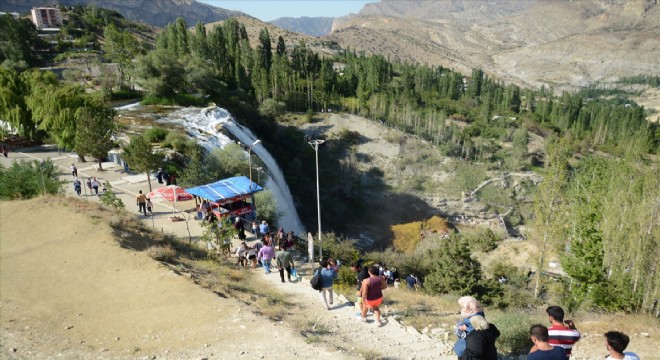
{"type": "Point", "coordinates": [158, 13]}
{"type": "Point", "coordinates": [313, 26]}
{"type": "Point", "coordinates": [564, 44]}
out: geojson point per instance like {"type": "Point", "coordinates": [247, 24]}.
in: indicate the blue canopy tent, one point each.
{"type": "Point", "coordinates": [228, 191]}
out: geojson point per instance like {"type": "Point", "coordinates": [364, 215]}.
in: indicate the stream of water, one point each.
{"type": "Point", "coordinates": [205, 124]}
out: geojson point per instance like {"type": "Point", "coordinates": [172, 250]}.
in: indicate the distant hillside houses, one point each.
{"type": "Point", "coordinates": [46, 17]}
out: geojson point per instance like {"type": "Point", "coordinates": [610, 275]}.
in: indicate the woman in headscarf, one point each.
{"type": "Point", "coordinates": [469, 307]}
{"type": "Point", "coordinates": [480, 342]}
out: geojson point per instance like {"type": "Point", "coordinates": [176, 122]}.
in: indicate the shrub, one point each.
{"type": "Point", "coordinates": [155, 134]}
{"type": "Point", "coordinates": [180, 143]}
{"type": "Point", "coordinates": [162, 253]}
{"type": "Point", "coordinates": [339, 248]}
{"type": "Point", "coordinates": [483, 240]}
{"type": "Point", "coordinates": [271, 108]}
{"type": "Point", "coordinates": [514, 332]}
{"type": "Point", "coordinates": [25, 180]}
{"type": "Point", "coordinates": [406, 236]}
{"type": "Point", "coordinates": [110, 199]}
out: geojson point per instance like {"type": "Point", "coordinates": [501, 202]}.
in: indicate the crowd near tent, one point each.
{"type": "Point", "coordinates": [229, 196]}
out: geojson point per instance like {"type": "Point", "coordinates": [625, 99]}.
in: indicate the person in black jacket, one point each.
{"type": "Point", "coordinates": [481, 341]}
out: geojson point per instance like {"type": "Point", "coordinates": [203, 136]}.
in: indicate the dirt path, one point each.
{"type": "Point", "coordinates": [345, 331]}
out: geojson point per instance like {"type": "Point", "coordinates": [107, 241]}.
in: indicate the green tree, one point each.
{"type": "Point", "coordinates": [266, 206]}
{"type": "Point", "coordinates": [16, 39]}
{"type": "Point", "coordinates": [548, 204]}
{"type": "Point", "coordinates": [95, 130]}
{"type": "Point", "coordinates": [281, 46]}
{"type": "Point", "coordinates": [453, 270]}
{"type": "Point", "coordinates": [55, 106]}
{"type": "Point", "coordinates": [121, 47]}
{"type": "Point", "coordinates": [13, 108]}
{"type": "Point", "coordinates": [265, 50]}
{"type": "Point", "coordinates": [140, 156]}
{"type": "Point", "coordinates": [160, 73]}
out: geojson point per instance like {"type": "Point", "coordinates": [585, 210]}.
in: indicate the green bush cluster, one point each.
{"type": "Point", "coordinates": [514, 332]}
{"type": "Point", "coordinates": [180, 143]}
{"type": "Point", "coordinates": [25, 180]}
{"type": "Point", "coordinates": [155, 134]}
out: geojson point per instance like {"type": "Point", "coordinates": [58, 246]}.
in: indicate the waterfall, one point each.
{"type": "Point", "coordinates": [204, 125]}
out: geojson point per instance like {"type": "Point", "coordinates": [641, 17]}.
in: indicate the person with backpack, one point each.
{"type": "Point", "coordinates": [328, 276]}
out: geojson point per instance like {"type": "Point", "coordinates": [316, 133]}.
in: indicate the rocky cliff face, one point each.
{"type": "Point", "coordinates": [158, 13]}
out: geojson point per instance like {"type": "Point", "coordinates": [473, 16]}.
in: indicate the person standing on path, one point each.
{"type": "Point", "coordinates": [241, 255]}
{"type": "Point", "coordinates": [77, 186]}
{"type": "Point", "coordinates": [142, 203]}
{"type": "Point", "coordinates": [74, 171]}
{"type": "Point", "coordinates": [559, 334]}
{"type": "Point", "coordinates": [89, 184]}
{"type": "Point", "coordinates": [372, 294]}
{"type": "Point", "coordinates": [284, 262]}
{"type": "Point", "coordinates": [95, 185]}
{"type": "Point", "coordinates": [328, 276]}
{"type": "Point", "coordinates": [149, 206]}
{"type": "Point", "coordinates": [263, 228]}
{"type": "Point", "coordinates": [266, 255]}
{"type": "Point", "coordinates": [240, 228]}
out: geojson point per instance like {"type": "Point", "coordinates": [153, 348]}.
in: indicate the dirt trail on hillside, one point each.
{"type": "Point", "coordinates": [67, 289]}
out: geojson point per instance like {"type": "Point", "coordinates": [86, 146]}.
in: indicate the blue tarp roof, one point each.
{"type": "Point", "coordinates": [225, 189]}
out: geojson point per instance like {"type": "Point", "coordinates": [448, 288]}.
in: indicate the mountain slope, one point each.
{"type": "Point", "coordinates": [553, 42]}
{"type": "Point", "coordinates": [158, 13]}
{"type": "Point", "coordinates": [314, 26]}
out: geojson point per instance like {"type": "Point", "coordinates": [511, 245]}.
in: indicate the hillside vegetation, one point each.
{"type": "Point", "coordinates": [594, 206]}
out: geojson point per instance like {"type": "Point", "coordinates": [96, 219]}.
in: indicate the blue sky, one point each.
{"type": "Point", "coordinates": [267, 10]}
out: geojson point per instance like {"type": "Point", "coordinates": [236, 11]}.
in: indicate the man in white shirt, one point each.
{"type": "Point", "coordinates": [616, 342]}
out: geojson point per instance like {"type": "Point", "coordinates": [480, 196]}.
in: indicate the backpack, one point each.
{"type": "Point", "coordinates": [316, 281]}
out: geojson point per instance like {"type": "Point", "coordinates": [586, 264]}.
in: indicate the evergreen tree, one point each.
{"type": "Point", "coordinates": [453, 270]}
{"type": "Point", "coordinates": [281, 46]}
{"type": "Point", "coordinates": [140, 156]}
{"type": "Point", "coordinates": [95, 129]}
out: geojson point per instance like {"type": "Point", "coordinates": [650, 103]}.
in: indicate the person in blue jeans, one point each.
{"type": "Point", "coordinates": [266, 255]}
{"type": "Point", "coordinates": [328, 276]}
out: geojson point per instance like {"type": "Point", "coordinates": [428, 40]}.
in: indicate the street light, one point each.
{"type": "Point", "coordinates": [250, 160]}
{"type": "Point", "coordinates": [315, 145]}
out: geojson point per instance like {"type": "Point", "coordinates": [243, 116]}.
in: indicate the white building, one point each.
{"type": "Point", "coordinates": [46, 17]}
{"type": "Point", "coordinates": [14, 14]}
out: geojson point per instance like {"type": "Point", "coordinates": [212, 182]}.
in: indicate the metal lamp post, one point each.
{"type": "Point", "coordinates": [315, 145]}
{"type": "Point", "coordinates": [250, 160]}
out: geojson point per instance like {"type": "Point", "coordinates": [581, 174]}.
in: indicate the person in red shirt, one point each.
{"type": "Point", "coordinates": [561, 333]}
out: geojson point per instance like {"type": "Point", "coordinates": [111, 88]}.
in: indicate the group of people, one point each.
{"type": "Point", "coordinates": [144, 203]}
{"type": "Point", "coordinates": [476, 337]}
{"type": "Point", "coordinates": [162, 175]}
{"type": "Point", "coordinates": [93, 184]}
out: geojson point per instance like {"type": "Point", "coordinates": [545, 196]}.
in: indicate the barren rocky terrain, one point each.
{"type": "Point", "coordinates": [554, 43]}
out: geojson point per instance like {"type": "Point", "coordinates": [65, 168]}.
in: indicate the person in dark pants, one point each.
{"type": "Point", "coordinates": [284, 262]}
{"type": "Point", "coordinates": [159, 176]}
{"type": "Point", "coordinates": [142, 203]}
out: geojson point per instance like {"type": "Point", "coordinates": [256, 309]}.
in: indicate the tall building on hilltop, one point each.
{"type": "Point", "coordinates": [46, 17]}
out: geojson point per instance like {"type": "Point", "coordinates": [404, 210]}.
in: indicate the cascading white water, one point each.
{"type": "Point", "coordinates": [204, 125]}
